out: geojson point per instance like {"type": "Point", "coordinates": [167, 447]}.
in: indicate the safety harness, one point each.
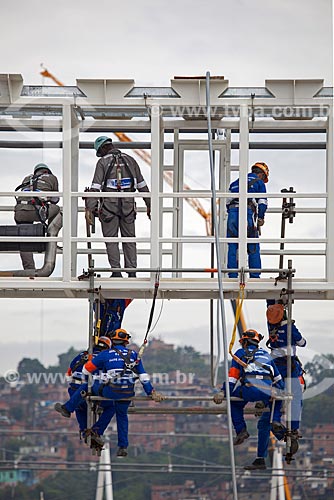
{"type": "Point", "coordinates": [41, 206]}
{"type": "Point", "coordinates": [117, 159]}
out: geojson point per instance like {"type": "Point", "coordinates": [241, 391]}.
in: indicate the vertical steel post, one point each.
{"type": "Point", "coordinates": [243, 184]}
{"type": "Point", "coordinates": [74, 186]}
{"type": "Point", "coordinates": [288, 385]}
{"type": "Point", "coordinates": [155, 176]}
{"type": "Point", "coordinates": [330, 197]}
{"type": "Point", "coordinates": [67, 176]}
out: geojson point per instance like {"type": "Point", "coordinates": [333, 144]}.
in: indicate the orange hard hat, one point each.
{"type": "Point", "coordinates": [103, 342]}
{"type": "Point", "coordinates": [264, 167]}
{"type": "Point", "coordinates": [252, 336]}
{"type": "Point", "coordinates": [275, 313]}
{"type": "Point", "coordinates": [120, 335]}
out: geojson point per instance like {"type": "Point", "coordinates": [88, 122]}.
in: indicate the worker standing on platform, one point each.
{"type": "Point", "coordinates": [120, 370]}
{"type": "Point", "coordinates": [37, 209]}
{"type": "Point", "coordinates": [256, 209]}
{"type": "Point", "coordinates": [277, 342]}
{"type": "Point", "coordinates": [253, 376]}
{"type": "Point", "coordinates": [116, 172]}
{"type": "Point", "coordinates": [76, 379]}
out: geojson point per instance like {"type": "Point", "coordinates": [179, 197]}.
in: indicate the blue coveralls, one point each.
{"type": "Point", "coordinates": [119, 384]}
{"type": "Point", "coordinates": [253, 383]}
{"type": "Point", "coordinates": [111, 314]}
{"type": "Point", "coordinates": [255, 185]}
{"type": "Point", "coordinates": [278, 353]}
{"type": "Point", "coordinates": [76, 380]}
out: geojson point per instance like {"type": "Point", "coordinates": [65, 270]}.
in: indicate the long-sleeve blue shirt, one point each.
{"type": "Point", "coordinates": [258, 186]}
{"type": "Point", "coordinates": [111, 366]}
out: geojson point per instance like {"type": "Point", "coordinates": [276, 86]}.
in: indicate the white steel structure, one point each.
{"type": "Point", "coordinates": [174, 118]}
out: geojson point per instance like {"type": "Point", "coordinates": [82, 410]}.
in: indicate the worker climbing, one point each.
{"type": "Point", "coordinates": [256, 209]}
{"type": "Point", "coordinates": [277, 343]}
{"type": "Point", "coordinates": [253, 376]}
{"type": "Point", "coordinates": [109, 314]}
{"type": "Point", "coordinates": [119, 371]}
{"type": "Point", "coordinates": [116, 172]}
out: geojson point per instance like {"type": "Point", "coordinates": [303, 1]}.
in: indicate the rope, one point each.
{"type": "Point", "coordinates": [155, 294]}
{"type": "Point", "coordinates": [237, 316]}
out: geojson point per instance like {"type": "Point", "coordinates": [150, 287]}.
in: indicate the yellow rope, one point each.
{"type": "Point", "coordinates": [237, 316]}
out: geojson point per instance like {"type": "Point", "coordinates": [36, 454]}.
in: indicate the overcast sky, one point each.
{"type": "Point", "coordinates": [151, 41]}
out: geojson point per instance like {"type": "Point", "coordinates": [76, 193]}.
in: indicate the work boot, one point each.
{"type": "Point", "coordinates": [132, 275]}
{"type": "Point", "coordinates": [241, 437]}
{"type": "Point", "coordinates": [62, 410]}
{"type": "Point", "coordinates": [122, 452]}
{"type": "Point", "coordinates": [116, 274]}
{"type": "Point", "coordinates": [258, 464]}
{"type": "Point", "coordinates": [259, 406]}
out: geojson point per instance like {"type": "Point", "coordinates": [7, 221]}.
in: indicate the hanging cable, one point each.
{"type": "Point", "coordinates": [221, 294]}
{"type": "Point", "coordinates": [155, 294]}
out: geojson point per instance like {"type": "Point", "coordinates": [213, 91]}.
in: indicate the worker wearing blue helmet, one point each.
{"type": "Point", "coordinates": [116, 172]}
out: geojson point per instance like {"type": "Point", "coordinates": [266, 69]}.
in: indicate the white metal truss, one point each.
{"type": "Point", "coordinates": [281, 105]}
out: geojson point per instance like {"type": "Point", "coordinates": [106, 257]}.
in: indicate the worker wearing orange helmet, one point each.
{"type": "Point", "coordinates": [256, 209]}
{"type": "Point", "coordinates": [252, 377]}
{"type": "Point", "coordinates": [277, 343]}
{"type": "Point", "coordinates": [120, 369]}
{"type": "Point", "coordinates": [76, 379]}
{"type": "Point", "coordinates": [116, 172]}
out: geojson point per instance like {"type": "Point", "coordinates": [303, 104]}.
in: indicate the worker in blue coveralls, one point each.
{"type": "Point", "coordinates": [76, 378]}
{"type": "Point", "coordinates": [253, 376]}
{"type": "Point", "coordinates": [110, 315]}
{"type": "Point", "coordinates": [277, 342]}
{"type": "Point", "coordinates": [119, 371]}
{"type": "Point", "coordinates": [256, 209]}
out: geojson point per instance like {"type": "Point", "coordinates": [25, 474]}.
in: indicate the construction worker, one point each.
{"type": "Point", "coordinates": [37, 209]}
{"type": "Point", "coordinates": [256, 209]}
{"type": "Point", "coordinates": [116, 172]}
{"type": "Point", "coordinates": [109, 315]}
{"type": "Point", "coordinates": [120, 372]}
{"type": "Point", "coordinates": [76, 378]}
{"type": "Point", "coordinates": [277, 342]}
{"type": "Point", "coordinates": [253, 376]}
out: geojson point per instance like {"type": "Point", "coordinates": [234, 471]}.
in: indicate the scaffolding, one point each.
{"type": "Point", "coordinates": [173, 119]}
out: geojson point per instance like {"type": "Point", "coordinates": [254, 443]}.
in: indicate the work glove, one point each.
{"type": "Point", "coordinates": [219, 397]}
{"type": "Point", "coordinates": [89, 217]}
{"type": "Point", "coordinates": [157, 396]}
{"type": "Point", "coordinates": [148, 211]}
{"type": "Point", "coordinates": [260, 222]}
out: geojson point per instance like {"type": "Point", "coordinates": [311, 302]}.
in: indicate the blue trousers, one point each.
{"type": "Point", "coordinates": [249, 394]}
{"type": "Point", "coordinates": [110, 408]}
{"type": "Point", "coordinates": [81, 409]}
{"type": "Point", "coordinates": [253, 249]}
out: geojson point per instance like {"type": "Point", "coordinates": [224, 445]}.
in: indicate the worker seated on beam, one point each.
{"type": "Point", "coordinates": [120, 369]}
{"type": "Point", "coordinates": [256, 209]}
{"type": "Point", "coordinates": [76, 379]}
{"type": "Point", "coordinates": [37, 209]}
{"type": "Point", "coordinates": [253, 376]}
{"type": "Point", "coordinates": [277, 343]}
{"type": "Point", "coordinates": [116, 172]}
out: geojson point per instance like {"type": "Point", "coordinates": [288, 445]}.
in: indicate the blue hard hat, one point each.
{"type": "Point", "coordinates": [41, 166]}
{"type": "Point", "coordinates": [99, 142]}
